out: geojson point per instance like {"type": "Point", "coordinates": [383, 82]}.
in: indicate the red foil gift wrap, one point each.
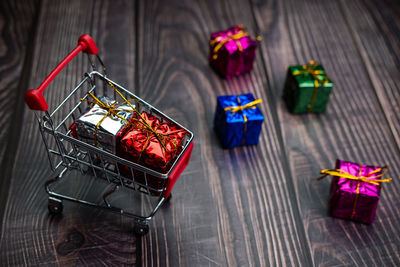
{"type": "Point", "coordinates": [232, 52]}
{"type": "Point", "coordinates": [156, 148]}
{"type": "Point", "coordinates": [355, 190]}
{"type": "Point", "coordinates": [153, 149]}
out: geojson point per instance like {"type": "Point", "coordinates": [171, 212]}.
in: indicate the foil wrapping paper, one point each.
{"type": "Point", "coordinates": [230, 60]}
{"type": "Point", "coordinates": [139, 145]}
{"type": "Point", "coordinates": [107, 130]}
{"type": "Point", "coordinates": [345, 202]}
{"type": "Point", "coordinates": [144, 147]}
{"type": "Point", "coordinates": [299, 90]}
{"type": "Point", "coordinates": [232, 128]}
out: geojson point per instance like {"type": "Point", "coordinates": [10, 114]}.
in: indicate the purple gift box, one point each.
{"type": "Point", "coordinates": [351, 197]}
{"type": "Point", "coordinates": [232, 52]}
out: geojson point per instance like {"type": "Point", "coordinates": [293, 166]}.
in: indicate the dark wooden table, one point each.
{"type": "Point", "coordinates": [249, 206]}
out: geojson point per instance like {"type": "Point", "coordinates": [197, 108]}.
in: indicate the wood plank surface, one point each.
{"type": "Point", "coordinates": [249, 206]}
{"type": "Point", "coordinates": [354, 128]}
{"type": "Point", "coordinates": [230, 207]}
{"type": "Point", "coordinates": [17, 19]}
{"type": "Point", "coordinates": [81, 236]}
{"type": "Point", "coordinates": [376, 33]}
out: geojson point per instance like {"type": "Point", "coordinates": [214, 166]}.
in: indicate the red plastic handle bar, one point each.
{"type": "Point", "coordinates": [34, 97]}
{"type": "Point", "coordinates": [178, 169]}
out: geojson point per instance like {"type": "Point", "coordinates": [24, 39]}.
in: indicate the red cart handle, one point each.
{"type": "Point", "coordinates": [34, 97]}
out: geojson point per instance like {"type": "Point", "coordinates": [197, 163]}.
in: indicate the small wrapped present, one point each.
{"type": "Point", "coordinates": [355, 190]}
{"type": "Point", "coordinates": [238, 120]}
{"type": "Point", "coordinates": [307, 88]}
{"type": "Point", "coordinates": [101, 123]}
{"type": "Point", "coordinates": [151, 142]}
{"type": "Point", "coordinates": [232, 52]}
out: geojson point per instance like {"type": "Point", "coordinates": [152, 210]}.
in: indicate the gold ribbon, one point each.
{"type": "Point", "coordinates": [221, 41]}
{"type": "Point", "coordinates": [235, 109]}
{"type": "Point", "coordinates": [113, 110]}
{"type": "Point", "coordinates": [310, 69]}
{"type": "Point", "coordinates": [366, 179]}
{"type": "Point", "coordinates": [369, 178]}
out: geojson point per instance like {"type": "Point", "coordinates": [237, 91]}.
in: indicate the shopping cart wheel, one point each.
{"type": "Point", "coordinates": [55, 205]}
{"type": "Point", "coordinates": [141, 229]}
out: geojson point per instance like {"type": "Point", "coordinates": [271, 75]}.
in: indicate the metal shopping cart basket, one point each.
{"type": "Point", "coordinates": [66, 152]}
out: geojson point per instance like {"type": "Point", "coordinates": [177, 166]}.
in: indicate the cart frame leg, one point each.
{"type": "Point", "coordinates": [141, 220]}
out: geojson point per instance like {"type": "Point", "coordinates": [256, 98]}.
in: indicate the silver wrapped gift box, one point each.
{"type": "Point", "coordinates": [108, 129]}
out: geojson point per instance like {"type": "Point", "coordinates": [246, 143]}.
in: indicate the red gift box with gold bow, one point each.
{"type": "Point", "coordinates": [152, 143]}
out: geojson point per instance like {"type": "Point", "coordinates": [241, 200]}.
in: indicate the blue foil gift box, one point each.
{"type": "Point", "coordinates": [238, 120]}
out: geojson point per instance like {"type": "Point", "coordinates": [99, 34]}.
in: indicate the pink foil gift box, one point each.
{"type": "Point", "coordinates": [232, 52]}
{"type": "Point", "coordinates": [355, 190]}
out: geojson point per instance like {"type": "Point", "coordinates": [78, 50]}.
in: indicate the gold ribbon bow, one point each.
{"type": "Point", "coordinates": [162, 138]}
{"type": "Point", "coordinates": [366, 179]}
{"type": "Point", "coordinates": [221, 41]}
{"type": "Point", "coordinates": [235, 109]}
{"type": "Point", "coordinates": [238, 108]}
{"type": "Point", "coordinates": [369, 178]}
{"type": "Point", "coordinates": [310, 69]}
{"type": "Point", "coordinates": [113, 109]}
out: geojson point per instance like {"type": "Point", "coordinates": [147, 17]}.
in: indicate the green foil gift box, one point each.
{"type": "Point", "coordinates": [307, 88]}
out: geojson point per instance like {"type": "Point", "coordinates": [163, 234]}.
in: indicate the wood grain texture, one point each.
{"type": "Point", "coordinates": [353, 128]}
{"type": "Point", "coordinates": [81, 236]}
{"type": "Point", "coordinates": [250, 206]}
{"type": "Point", "coordinates": [16, 19]}
{"type": "Point", "coordinates": [230, 207]}
{"type": "Point", "coordinates": [376, 32]}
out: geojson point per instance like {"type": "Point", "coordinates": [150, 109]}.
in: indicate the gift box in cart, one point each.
{"type": "Point", "coordinates": [80, 134]}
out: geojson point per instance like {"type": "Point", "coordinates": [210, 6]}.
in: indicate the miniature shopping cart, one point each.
{"type": "Point", "coordinates": [67, 153]}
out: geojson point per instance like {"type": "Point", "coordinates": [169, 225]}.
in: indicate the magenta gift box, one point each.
{"type": "Point", "coordinates": [353, 199]}
{"type": "Point", "coordinates": [232, 52]}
